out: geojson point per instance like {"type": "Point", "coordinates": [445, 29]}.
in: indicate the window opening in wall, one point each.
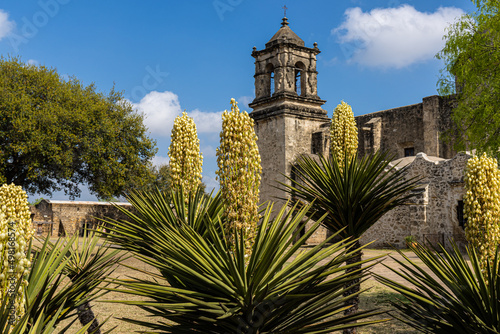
{"type": "Point", "coordinates": [460, 214]}
{"type": "Point", "coordinates": [409, 152]}
{"type": "Point", "coordinates": [298, 82]}
{"type": "Point", "coordinates": [271, 84]}
{"type": "Point", "coordinates": [317, 143]}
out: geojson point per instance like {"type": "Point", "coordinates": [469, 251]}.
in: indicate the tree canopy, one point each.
{"type": "Point", "coordinates": [58, 134]}
{"type": "Point", "coordinates": [472, 57]}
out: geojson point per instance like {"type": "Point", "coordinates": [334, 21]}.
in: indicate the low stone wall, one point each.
{"type": "Point", "coordinates": [65, 218]}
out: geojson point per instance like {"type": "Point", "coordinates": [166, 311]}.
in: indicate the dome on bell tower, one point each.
{"type": "Point", "coordinates": [285, 35]}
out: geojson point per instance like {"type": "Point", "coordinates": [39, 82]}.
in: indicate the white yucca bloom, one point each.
{"type": "Point", "coordinates": [343, 134]}
{"type": "Point", "coordinates": [239, 173]}
{"type": "Point", "coordinates": [482, 205]}
{"type": "Point", "coordinates": [186, 159]}
{"type": "Point", "coordinates": [16, 232]}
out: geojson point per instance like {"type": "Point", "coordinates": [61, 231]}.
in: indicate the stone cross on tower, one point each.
{"type": "Point", "coordinates": [284, 8]}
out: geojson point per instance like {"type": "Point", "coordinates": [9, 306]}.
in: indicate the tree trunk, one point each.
{"type": "Point", "coordinates": [85, 315]}
{"type": "Point", "coordinates": [353, 287]}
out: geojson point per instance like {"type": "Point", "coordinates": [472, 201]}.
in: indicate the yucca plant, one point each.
{"type": "Point", "coordinates": [89, 261]}
{"type": "Point", "coordinates": [156, 212]}
{"type": "Point", "coordinates": [351, 196]}
{"type": "Point", "coordinates": [457, 296]}
{"type": "Point", "coordinates": [49, 297]}
{"type": "Point", "coordinates": [219, 290]}
{"type": "Point", "coordinates": [40, 326]}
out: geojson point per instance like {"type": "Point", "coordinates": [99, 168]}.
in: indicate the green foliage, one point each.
{"type": "Point", "coordinates": [36, 201]}
{"type": "Point", "coordinates": [353, 196]}
{"type": "Point", "coordinates": [216, 289]}
{"type": "Point", "coordinates": [49, 298]}
{"type": "Point", "coordinates": [409, 239]}
{"type": "Point", "coordinates": [88, 264]}
{"type": "Point", "coordinates": [457, 297]}
{"type": "Point", "coordinates": [471, 56]}
{"type": "Point", "coordinates": [157, 211]}
{"type": "Point", "coordinates": [57, 134]}
{"type": "Point", "coordinates": [160, 179]}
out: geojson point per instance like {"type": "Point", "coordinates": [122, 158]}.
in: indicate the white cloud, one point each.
{"type": "Point", "coordinates": [6, 26]}
{"type": "Point", "coordinates": [33, 62]}
{"type": "Point", "coordinates": [243, 102]}
{"type": "Point", "coordinates": [160, 110]}
{"type": "Point", "coordinates": [394, 37]}
{"type": "Point", "coordinates": [159, 160]}
{"type": "Point", "coordinates": [207, 122]}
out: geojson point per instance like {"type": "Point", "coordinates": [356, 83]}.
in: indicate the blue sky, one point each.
{"type": "Point", "coordinates": [168, 56]}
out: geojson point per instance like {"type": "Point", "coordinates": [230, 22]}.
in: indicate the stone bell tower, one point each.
{"type": "Point", "coordinates": [289, 120]}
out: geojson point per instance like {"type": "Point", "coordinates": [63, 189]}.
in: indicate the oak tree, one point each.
{"type": "Point", "coordinates": [57, 134]}
{"type": "Point", "coordinates": [472, 57]}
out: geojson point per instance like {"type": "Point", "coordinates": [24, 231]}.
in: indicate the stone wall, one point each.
{"type": "Point", "coordinates": [65, 218]}
{"type": "Point", "coordinates": [271, 142]}
{"type": "Point", "coordinates": [282, 140]}
{"type": "Point", "coordinates": [432, 215]}
{"type": "Point", "coordinates": [418, 126]}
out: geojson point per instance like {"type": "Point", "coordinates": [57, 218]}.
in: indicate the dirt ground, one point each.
{"type": "Point", "coordinates": [376, 297]}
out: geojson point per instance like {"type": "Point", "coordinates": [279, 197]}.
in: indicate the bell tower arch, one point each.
{"type": "Point", "coordinates": [286, 109]}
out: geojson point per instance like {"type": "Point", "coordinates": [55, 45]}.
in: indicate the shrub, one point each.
{"type": "Point", "coordinates": [457, 297]}
{"type": "Point", "coordinates": [218, 290]}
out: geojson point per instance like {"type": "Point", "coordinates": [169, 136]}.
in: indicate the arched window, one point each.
{"type": "Point", "coordinates": [299, 79]}
{"type": "Point", "coordinates": [271, 84]}
{"type": "Point", "coordinates": [270, 80]}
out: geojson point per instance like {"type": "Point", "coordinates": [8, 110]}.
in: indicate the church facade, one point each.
{"type": "Point", "coordinates": [290, 122]}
